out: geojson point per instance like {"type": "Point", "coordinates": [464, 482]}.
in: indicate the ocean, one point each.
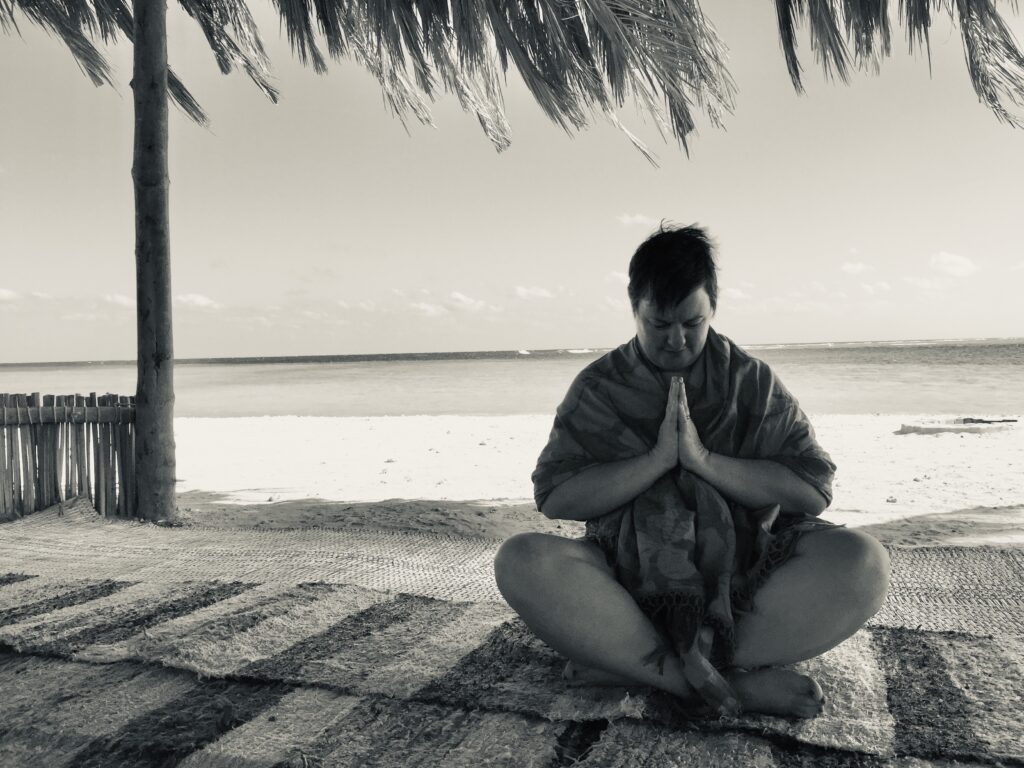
{"type": "Point", "coordinates": [961, 377]}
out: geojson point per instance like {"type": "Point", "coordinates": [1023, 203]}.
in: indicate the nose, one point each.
{"type": "Point", "coordinates": [676, 338]}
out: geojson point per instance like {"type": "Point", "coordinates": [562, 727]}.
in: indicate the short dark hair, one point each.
{"type": "Point", "coordinates": [670, 265]}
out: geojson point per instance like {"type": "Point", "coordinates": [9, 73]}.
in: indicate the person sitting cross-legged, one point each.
{"type": "Point", "coordinates": [705, 567]}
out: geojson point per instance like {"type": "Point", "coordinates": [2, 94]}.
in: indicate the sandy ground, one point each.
{"type": "Point", "coordinates": [909, 480]}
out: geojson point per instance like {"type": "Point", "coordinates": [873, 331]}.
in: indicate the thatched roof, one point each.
{"type": "Point", "coordinates": [579, 58]}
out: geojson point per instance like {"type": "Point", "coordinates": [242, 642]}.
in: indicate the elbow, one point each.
{"type": "Point", "coordinates": [813, 503]}
{"type": "Point", "coordinates": [550, 510]}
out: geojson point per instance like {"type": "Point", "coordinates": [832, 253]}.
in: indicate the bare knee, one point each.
{"type": "Point", "coordinates": [863, 565]}
{"type": "Point", "coordinates": [519, 557]}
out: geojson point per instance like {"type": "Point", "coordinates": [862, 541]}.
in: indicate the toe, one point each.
{"type": "Point", "coordinates": [814, 690]}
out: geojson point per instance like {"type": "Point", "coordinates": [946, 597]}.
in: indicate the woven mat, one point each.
{"type": "Point", "coordinates": [372, 648]}
{"type": "Point", "coordinates": [979, 590]}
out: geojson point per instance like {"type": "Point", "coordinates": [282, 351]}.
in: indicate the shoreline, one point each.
{"type": "Point", "coordinates": [938, 483]}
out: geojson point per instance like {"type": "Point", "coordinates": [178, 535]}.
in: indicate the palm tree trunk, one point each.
{"type": "Point", "coordinates": [154, 396]}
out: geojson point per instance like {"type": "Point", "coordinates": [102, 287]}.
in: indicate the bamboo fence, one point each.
{"type": "Point", "coordinates": [56, 447]}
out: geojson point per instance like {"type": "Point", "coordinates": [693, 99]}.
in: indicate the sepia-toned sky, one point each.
{"type": "Point", "coordinates": [886, 209]}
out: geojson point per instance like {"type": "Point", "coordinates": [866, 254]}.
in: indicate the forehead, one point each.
{"type": "Point", "coordinates": [695, 305]}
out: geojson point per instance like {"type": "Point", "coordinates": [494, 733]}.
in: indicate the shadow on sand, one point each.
{"type": "Point", "coordinates": [488, 519]}
{"type": "Point", "coordinates": [968, 527]}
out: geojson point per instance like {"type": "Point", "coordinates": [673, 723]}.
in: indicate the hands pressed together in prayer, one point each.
{"type": "Point", "coordinates": [752, 482]}
{"type": "Point", "coordinates": [678, 441]}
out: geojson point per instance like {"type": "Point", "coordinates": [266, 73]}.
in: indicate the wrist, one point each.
{"type": "Point", "coordinates": [661, 463]}
{"type": "Point", "coordinates": [700, 463]}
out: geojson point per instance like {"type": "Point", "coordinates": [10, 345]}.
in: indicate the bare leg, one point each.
{"type": "Point", "coordinates": [566, 593]}
{"type": "Point", "coordinates": [835, 582]}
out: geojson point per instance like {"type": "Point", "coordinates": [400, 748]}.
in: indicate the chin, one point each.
{"type": "Point", "coordinates": [675, 362]}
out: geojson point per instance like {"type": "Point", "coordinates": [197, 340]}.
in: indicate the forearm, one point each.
{"type": "Point", "coordinates": [759, 482]}
{"type": "Point", "coordinates": [600, 489]}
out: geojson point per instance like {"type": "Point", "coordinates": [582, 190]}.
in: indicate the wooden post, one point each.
{"type": "Point", "coordinates": [71, 484]}
{"type": "Point", "coordinates": [127, 457]}
{"type": "Point", "coordinates": [47, 454]}
{"type": "Point", "coordinates": [14, 458]}
{"type": "Point", "coordinates": [117, 458]}
{"type": "Point", "coordinates": [6, 505]}
{"type": "Point", "coordinates": [81, 457]}
{"type": "Point", "coordinates": [154, 401]}
{"type": "Point", "coordinates": [28, 461]}
{"type": "Point", "coordinates": [64, 474]}
{"type": "Point", "coordinates": [99, 479]}
{"type": "Point", "coordinates": [111, 463]}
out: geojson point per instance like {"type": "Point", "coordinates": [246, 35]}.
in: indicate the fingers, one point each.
{"type": "Point", "coordinates": [684, 406]}
{"type": "Point", "coordinates": [672, 407]}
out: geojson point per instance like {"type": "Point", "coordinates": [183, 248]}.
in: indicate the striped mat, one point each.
{"type": "Point", "coordinates": [415, 675]}
{"type": "Point", "coordinates": [99, 661]}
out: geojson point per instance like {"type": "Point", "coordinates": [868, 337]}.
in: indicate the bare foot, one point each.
{"type": "Point", "coordinates": [577, 674]}
{"type": "Point", "coordinates": [768, 691]}
{"type": "Point", "coordinates": [778, 691]}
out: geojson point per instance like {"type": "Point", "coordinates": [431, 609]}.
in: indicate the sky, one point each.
{"type": "Point", "coordinates": [884, 209]}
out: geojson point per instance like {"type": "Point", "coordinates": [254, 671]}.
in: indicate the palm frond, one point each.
{"type": "Point", "coordinates": [916, 15]}
{"type": "Point", "coordinates": [295, 14]}
{"type": "Point", "coordinates": [994, 61]}
{"type": "Point", "coordinates": [787, 12]}
{"type": "Point", "coordinates": [184, 100]}
{"type": "Point", "coordinates": [867, 23]}
{"type": "Point", "coordinates": [75, 23]}
{"type": "Point", "coordinates": [578, 58]}
{"type": "Point", "coordinates": [71, 23]}
{"type": "Point", "coordinates": [232, 36]}
{"type": "Point", "coordinates": [826, 38]}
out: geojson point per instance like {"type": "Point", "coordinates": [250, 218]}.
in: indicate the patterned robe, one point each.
{"type": "Point", "coordinates": [683, 551]}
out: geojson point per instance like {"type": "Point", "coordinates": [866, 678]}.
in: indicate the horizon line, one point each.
{"type": "Point", "coordinates": [370, 356]}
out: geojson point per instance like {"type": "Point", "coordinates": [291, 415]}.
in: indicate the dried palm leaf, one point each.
{"type": "Point", "coordinates": [579, 58]}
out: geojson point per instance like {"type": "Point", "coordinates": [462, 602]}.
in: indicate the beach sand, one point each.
{"type": "Point", "coordinates": [909, 480]}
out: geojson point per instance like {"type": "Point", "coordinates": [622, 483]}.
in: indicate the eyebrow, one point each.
{"type": "Point", "coordinates": [695, 318]}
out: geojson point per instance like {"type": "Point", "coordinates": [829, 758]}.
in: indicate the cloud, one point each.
{"type": "Point", "coordinates": [953, 264]}
{"type": "Point", "coordinates": [8, 295]}
{"type": "Point", "coordinates": [929, 285]}
{"type": "Point", "coordinates": [366, 305]}
{"type": "Point", "coordinates": [119, 300]}
{"type": "Point", "coordinates": [735, 294]}
{"type": "Point", "coordinates": [1017, 267]}
{"type": "Point", "coordinates": [465, 303]}
{"type": "Point", "coordinates": [197, 300]}
{"type": "Point", "coordinates": [534, 292]}
{"type": "Point", "coordinates": [618, 304]}
{"type": "Point", "coordinates": [429, 310]}
{"type": "Point", "coordinates": [618, 277]}
{"type": "Point", "coordinates": [629, 219]}
{"type": "Point", "coordinates": [40, 295]}
{"type": "Point", "coordinates": [855, 267]}
{"type": "Point", "coordinates": [872, 289]}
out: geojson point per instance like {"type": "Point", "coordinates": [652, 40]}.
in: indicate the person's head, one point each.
{"type": "Point", "coordinates": [673, 289]}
